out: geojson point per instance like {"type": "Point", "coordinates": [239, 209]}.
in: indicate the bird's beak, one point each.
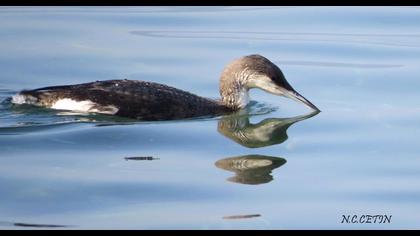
{"type": "Point", "coordinates": [282, 90]}
{"type": "Point", "coordinates": [299, 98]}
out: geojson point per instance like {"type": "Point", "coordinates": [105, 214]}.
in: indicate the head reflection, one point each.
{"type": "Point", "coordinates": [268, 132]}
{"type": "Point", "coordinates": [251, 169]}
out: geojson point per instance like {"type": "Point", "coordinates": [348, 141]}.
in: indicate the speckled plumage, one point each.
{"type": "Point", "coordinates": [135, 99]}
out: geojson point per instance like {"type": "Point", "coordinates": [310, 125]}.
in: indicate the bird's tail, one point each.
{"type": "Point", "coordinates": [24, 97]}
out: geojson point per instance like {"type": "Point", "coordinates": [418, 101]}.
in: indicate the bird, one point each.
{"type": "Point", "coordinates": [147, 100]}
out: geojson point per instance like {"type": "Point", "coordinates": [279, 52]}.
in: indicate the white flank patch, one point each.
{"type": "Point", "coordinates": [83, 106]}
{"type": "Point", "coordinates": [22, 99]}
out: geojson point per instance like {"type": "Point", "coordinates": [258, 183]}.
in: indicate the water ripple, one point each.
{"type": "Point", "coordinates": [337, 64]}
{"type": "Point", "coordinates": [31, 225]}
{"type": "Point", "coordinates": [400, 40]}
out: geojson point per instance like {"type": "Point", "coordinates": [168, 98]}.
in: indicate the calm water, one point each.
{"type": "Point", "coordinates": [360, 155]}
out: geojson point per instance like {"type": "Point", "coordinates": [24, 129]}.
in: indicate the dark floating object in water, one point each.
{"type": "Point", "coordinates": [147, 158]}
{"type": "Point", "coordinates": [39, 225]}
{"type": "Point", "coordinates": [251, 169]}
{"type": "Point", "coordinates": [152, 101]}
{"type": "Point", "coordinates": [268, 132]}
{"type": "Point", "coordinates": [241, 216]}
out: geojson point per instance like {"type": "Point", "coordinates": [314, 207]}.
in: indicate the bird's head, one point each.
{"type": "Point", "coordinates": [255, 71]}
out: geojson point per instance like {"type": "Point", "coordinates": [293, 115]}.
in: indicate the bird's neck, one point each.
{"type": "Point", "coordinates": [234, 93]}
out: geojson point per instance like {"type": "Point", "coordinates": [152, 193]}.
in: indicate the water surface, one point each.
{"type": "Point", "coordinates": [274, 166]}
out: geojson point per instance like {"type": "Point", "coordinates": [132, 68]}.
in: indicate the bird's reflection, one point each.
{"type": "Point", "coordinates": [251, 169]}
{"type": "Point", "coordinates": [268, 132]}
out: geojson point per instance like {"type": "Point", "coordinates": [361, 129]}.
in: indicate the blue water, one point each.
{"type": "Point", "coordinates": [359, 156]}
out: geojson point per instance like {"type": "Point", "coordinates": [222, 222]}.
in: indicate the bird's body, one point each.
{"type": "Point", "coordinates": [127, 98]}
{"type": "Point", "coordinates": [153, 101]}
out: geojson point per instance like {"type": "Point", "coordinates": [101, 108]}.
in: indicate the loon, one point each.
{"type": "Point", "coordinates": [153, 101]}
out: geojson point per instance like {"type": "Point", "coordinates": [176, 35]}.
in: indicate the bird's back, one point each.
{"type": "Point", "coordinates": [129, 98]}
